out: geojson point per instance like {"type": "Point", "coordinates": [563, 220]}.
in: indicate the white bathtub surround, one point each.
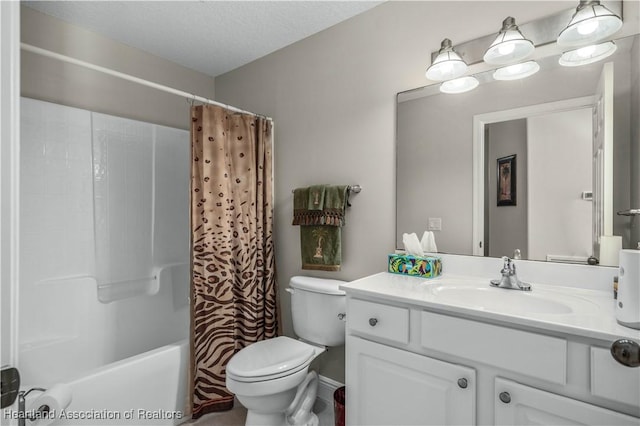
{"type": "Point", "coordinates": [123, 180]}
{"type": "Point", "coordinates": [479, 354]}
{"type": "Point", "coordinates": [62, 321]}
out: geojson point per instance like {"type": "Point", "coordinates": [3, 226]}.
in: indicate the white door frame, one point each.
{"type": "Point", "coordinates": [479, 122]}
{"type": "Point", "coordinates": [9, 177]}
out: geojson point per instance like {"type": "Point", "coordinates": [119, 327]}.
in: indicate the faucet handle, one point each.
{"type": "Point", "coordinates": [509, 266]}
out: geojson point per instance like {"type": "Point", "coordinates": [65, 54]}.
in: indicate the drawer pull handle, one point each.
{"type": "Point", "coordinates": [463, 383]}
{"type": "Point", "coordinates": [505, 397]}
{"type": "Point", "coordinates": [626, 352]}
{"type": "Point", "coordinates": [373, 322]}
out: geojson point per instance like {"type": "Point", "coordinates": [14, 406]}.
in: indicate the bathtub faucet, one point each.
{"type": "Point", "coordinates": [42, 412]}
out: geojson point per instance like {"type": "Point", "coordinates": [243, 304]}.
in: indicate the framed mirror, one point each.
{"type": "Point", "coordinates": [522, 165]}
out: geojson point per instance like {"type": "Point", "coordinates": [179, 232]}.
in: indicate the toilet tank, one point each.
{"type": "Point", "coordinates": [317, 309]}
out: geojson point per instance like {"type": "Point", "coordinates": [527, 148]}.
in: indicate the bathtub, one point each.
{"type": "Point", "coordinates": [146, 389]}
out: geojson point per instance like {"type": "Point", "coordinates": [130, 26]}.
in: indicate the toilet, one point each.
{"type": "Point", "coordinates": [271, 378]}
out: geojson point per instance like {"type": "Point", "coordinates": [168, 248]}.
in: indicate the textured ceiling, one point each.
{"type": "Point", "coordinates": [212, 37]}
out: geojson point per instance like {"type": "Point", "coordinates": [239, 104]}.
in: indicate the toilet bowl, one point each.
{"type": "Point", "coordinates": [271, 378]}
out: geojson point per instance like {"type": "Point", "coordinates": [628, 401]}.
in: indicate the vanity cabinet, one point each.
{"type": "Point", "coordinates": [391, 386]}
{"type": "Point", "coordinates": [407, 364]}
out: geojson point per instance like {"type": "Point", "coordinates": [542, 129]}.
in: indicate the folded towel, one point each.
{"type": "Point", "coordinates": [332, 201]}
{"type": "Point", "coordinates": [316, 197]}
{"type": "Point", "coordinates": [302, 215]}
{"type": "Point", "coordinates": [320, 233]}
{"type": "Point", "coordinates": [336, 200]}
{"type": "Point", "coordinates": [321, 247]}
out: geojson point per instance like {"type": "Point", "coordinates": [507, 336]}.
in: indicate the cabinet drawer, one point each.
{"type": "Point", "coordinates": [517, 404]}
{"type": "Point", "coordinates": [378, 320]}
{"type": "Point", "coordinates": [612, 380]}
{"type": "Point", "coordinates": [532, 354]}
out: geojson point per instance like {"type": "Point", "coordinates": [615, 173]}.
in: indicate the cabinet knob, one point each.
{"type": "Point", "coordinates": [626, 352]}
{"type": "Point", "coordinates": [463, 383]}
{"type": "Point", "coordinates": [505, 397]}
{"type": "Point", "coordinates": [373, 322]}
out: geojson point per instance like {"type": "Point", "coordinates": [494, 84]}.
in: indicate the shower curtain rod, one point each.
{"type": "Point", "coordinates": [141, 81]}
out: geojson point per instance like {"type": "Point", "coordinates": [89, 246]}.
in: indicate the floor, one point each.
{"type": "Point", "coordinates": [236, 417]}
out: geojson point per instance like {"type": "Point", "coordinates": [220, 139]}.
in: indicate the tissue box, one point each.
{"type": "Point", "coordinates": [406, 264]}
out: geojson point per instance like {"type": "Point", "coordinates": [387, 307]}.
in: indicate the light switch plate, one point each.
{"type": "Point", "coordinates": [434, 224]}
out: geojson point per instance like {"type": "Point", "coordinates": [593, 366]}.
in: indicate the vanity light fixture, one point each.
{"type": "Point", "coordinates": [447, 65]}
{"type": "Point", "coordinates": [459, 85]}
{"type": "Point", "coordinates": [588, 54]}
{"type": "Point", "coordinates": [516, 71]}
{"type": "Point", "coordinates": [509, 46]}
{"type": "Point", "coordinates": [590, 23]}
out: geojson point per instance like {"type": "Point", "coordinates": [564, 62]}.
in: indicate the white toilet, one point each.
{"type": "Point", "coordinates": [271, 378]}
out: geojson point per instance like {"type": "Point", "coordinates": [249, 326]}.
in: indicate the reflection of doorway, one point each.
{"type": "Point", "coordinates": [560, 217]}
{"type": "Point", "coordinates": [530, 229]}
{"type": "Point", "coordinates": [603, 158]}
{"type": "Point", "coordinates": [506, 224]}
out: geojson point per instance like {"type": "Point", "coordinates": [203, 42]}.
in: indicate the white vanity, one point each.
{"type": "Point", "coordinates": [454, 350]}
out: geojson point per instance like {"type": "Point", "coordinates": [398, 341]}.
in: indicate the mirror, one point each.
{"type": "Point", "coordinates": [559, 192]}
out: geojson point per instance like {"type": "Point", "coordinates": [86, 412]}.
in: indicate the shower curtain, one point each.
{"type": "Point", "coordinates": [234, 298]}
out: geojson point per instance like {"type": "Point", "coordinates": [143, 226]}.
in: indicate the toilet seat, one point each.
{"type": "Point", "coordinates": [270, 359]}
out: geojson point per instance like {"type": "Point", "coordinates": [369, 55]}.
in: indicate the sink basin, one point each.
{"type": "Point", "coordinates": [516, 302]}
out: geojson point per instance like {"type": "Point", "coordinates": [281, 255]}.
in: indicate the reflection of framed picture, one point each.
{"type": "Point", "coordinates": [507, 181]}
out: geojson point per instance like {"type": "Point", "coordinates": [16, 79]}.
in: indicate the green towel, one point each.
{"type": "Point", "coordinates": [330, 210]}
{"type": "Point", "coordinates": [321, 247]}
{"type": "Point", "coordinates": [320, 232]}
{"type": "Point", "coordinates": [316, 197]}
{"type": "Point", "coordinates": [336, 200]}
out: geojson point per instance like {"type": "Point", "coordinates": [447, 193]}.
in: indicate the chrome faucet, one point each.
{"type": "Point", "coordinates": [509, 278]}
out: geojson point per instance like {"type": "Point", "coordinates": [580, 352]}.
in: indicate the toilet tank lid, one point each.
{"type": "Point", "coordinates": [317, 285]}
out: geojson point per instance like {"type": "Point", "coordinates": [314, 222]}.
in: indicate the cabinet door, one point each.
{"type": "Point", "coordinates": [516, 404]}
{"type": "Point", "coordinates": [388, 386]}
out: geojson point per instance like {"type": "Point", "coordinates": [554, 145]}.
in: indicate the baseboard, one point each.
{"type": "Point", "coordinates": [326, 388]}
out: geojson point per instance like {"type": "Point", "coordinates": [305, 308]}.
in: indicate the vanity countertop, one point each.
{"type": "Point", "coordinates": [567, 310]}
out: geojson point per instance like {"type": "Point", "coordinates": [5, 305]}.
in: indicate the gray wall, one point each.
{"type": "Point", "coordinates": [332, 96]}
{"type": "Point", "coordinates": [54, 81]}
{"type": "Point", "coordinates": [506, 230]}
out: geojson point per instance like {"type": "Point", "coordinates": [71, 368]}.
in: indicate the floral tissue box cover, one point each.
{"type": "Point", "coordinates": [406, 264]}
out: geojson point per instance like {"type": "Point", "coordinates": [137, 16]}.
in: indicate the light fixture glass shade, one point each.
{"type": "Point", "coordinates": [516, 71]}
{"type": "Point", "coordinates": [588, 54]}
{"type": "Point", "coordinates": [592, 22]}
{"type": "Point", "coordinates": [509, 46]}
{"type": "Point", "coordinates": [447, 65]}
{"type": "Point", "coordinates": [459, 85]}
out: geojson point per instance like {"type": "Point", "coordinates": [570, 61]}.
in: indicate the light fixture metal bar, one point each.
{"type": "Point", "coordinates": [541, 31]}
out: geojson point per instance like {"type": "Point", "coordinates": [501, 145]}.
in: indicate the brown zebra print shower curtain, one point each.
{"type": "Point", "coordinates": [234, 297]}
